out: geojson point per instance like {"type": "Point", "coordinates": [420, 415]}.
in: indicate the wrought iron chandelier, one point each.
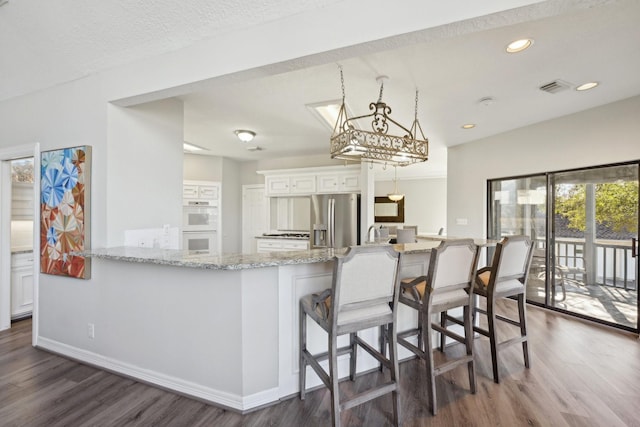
{"type": "Point", "coordinates": [349, 141]}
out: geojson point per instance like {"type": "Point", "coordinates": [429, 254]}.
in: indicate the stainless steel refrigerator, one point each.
{"type": "Point", "coordinates": [335, 220]}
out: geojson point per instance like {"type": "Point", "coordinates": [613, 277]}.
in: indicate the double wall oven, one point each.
{"type": "Point", "coordinates": [200, 219]}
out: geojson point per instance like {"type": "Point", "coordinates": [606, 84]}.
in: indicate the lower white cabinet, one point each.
{"type": "Point", "coordinates": [21, 284]}
{"type": "Point", "coordinates": [274, 245]}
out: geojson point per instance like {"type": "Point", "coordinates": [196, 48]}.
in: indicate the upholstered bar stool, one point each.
{"type": "Point", "coordinates": [506, 277]}
{"type": "Point", "coordinates": [447, 285]}
{"type": "Point", "coordinates": [364, 295]}
{"type": "Point", "coordinates": [406, 235]}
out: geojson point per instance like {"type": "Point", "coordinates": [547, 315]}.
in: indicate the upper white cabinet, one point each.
{"type": "Point", "coordinates": [348, 182]}
{"type": "Point", "coordinates": [205, 190]}
{"type": "Point", "coordinates": [308, 181]}
{"type": "Point", "coordinates": [287, 185]}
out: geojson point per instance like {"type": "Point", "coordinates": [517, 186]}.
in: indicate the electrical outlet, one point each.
{"type": "Point", "coordinates": [91, 330]}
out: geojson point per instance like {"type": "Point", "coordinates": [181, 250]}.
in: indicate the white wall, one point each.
{"type": "Point", "coordinates": [231, 207]}
{"type": "Point", "coordinates": [597, 136]}
{"type": "Point", "coordinates": [202, 168]}
{"type": "Point", "coordinates": [144, 167]}
{"type": "Point", "coordinates": [425, 201]}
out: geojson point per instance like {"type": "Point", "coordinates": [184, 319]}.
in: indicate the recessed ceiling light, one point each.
{"type": "Point", "coordinates": [244, 135]}
{"type": "Point", "coordinates": [587, 86]}
{"type": "Point", "coordinates": [519, 45]}
{"type": "Point", "coordinates": [468, 126]}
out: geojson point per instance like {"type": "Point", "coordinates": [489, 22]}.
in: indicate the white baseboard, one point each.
{"type": "Point", "coordinates": [188, 388]}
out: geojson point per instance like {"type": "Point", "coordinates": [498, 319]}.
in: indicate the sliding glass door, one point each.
{"type": "Point", "coordinates": [584, 224]}
{"type": "Point", "coordinates": [519, 206]}
{"type": "Point", "coordinates": [595, 219]}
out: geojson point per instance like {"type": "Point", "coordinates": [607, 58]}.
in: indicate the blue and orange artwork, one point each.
{"type": "Point", "coordinates": [64, 203]}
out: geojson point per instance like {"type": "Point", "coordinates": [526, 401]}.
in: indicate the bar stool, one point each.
{"type": "Point", "coordinates": [506, 277]}
{"type": "Point", "coordinates": [447, 285]}
{"type": "Point", "coordinates": [406, 235]}
{"type": "Point", "coordinates": [363, 295]}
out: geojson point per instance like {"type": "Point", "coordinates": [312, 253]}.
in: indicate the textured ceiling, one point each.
{"type": "Point", "coordinates": [71, 38]}
{"type": "Point", "coordinates": [454, 66]}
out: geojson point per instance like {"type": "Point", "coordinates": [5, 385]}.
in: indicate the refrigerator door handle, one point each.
{"type": "Point", "coordinates": [332, 223]}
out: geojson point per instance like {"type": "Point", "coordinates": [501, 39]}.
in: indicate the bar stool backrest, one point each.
{"type": "Point", "coordinates": [364, 283]}
{"type": "Point", "coordinates": [510, 265]}
{"type": "Point", "coordinates": [454, 263]}
{"type": "Point", "coordinates": [406, 235]}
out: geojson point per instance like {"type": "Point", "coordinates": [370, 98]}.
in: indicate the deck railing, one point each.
{"type": "Point", "coordinates": [614, 265]}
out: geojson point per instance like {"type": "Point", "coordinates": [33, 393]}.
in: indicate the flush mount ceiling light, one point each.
{"type": "Point", "coordinates": [587, 86]}
{"type": "Point", "coordinates": [244, 135]}
{"type": "Point", "coordinates": [468, 126]}
{"type": "Point", "coordinates": [349, 140]}
{"type": "Point", "coordinates": [395, 196]}
{"type": "Point", "coordinates": [519, 45]}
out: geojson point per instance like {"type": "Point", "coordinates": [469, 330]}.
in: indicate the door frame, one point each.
{"type": "Point", "coordinates": [550, 237]}
{"type": "Point", "coordinates": [6, 155]}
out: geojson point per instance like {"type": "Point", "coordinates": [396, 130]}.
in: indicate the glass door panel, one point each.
{"type": "Point", "coordinates": [595, 218]}
{"type": "Point", "coordinates": [519, 206]}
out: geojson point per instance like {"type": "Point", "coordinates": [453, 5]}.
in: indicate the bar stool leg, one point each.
{"type": "Point", "coordinates": [302, 331]}
{"type": "Point", "coordinates": [333, 378]}
{"type": "Point", "coordinates": [491, 320]}
{"type": "Point", "coordinates": [468, 340]}
{"type": "Point", "coordinates": [523, 327]}
{"type": "Point", "coordinates": [428, 359]}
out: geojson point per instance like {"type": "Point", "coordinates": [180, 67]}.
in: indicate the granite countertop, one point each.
{"type": "Point", "coordinates": [436, 237]}
{"type": "Point", "coordinates": [15, 251]}
{"type": "Point", "coordinates": [285, 236]}
{"type": "Point", "coordinates": [233, 261]}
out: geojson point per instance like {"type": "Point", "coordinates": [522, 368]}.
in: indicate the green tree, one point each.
{"type": "Point", "coordinates": [616, 205]}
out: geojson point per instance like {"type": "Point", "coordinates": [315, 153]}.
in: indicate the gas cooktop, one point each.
{"type": "Point", "coordinates": [286, 234]}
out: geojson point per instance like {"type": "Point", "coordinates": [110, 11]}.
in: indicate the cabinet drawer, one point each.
{"type": "Point", "coordinates": [295, 245]}
{"type": "Point", "coordinates": [22, 260]}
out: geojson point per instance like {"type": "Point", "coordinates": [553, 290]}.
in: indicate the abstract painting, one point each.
{"type": "Point", "coordinates": [65, 182]}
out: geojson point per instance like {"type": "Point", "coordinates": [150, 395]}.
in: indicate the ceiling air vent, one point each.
{"type": "Point", "coordinates": [555, 86]}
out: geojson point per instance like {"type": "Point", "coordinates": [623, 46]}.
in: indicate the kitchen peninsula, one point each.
{"type": "Point", "coordinates": [223, 328]}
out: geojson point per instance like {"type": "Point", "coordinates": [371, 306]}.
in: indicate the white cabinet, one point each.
{"type": "Point", "coordinates": [21, 284]}
{"type": "Point", "coordinates": [287, 185]}
{"type": "Point", "coordinates": [306, 181]}
{"type": "Point", "coordinates": [339, 182]}
{"type": "Point", "coordinates": [275, 245]}
{"type": "Point", "coordinates": [210, 192]}
{"type": "Point", "coordinates": [201, 190]}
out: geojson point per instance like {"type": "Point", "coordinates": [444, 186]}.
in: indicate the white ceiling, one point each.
{"type": "Point", "coordinates": [593, 40]}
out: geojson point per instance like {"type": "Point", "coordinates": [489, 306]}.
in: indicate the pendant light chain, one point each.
{"type": "Point", "coordinates": [342, 83]}
{"type": "Point", "coordinates": [416, 113]}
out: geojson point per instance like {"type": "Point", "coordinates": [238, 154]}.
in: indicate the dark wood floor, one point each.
{"type": "Point", "coordinates": [581, 375]}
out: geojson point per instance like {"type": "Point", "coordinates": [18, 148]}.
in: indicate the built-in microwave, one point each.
{"type": "Point", "coordinates": [200, 242]}
{"type": "Point", "coordinates": [199, 216]}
